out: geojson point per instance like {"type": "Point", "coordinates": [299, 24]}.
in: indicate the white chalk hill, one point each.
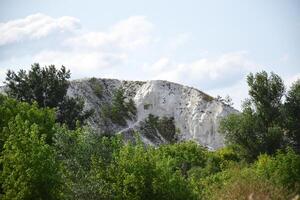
{"type": "Point", "coordinates": [196, 114]}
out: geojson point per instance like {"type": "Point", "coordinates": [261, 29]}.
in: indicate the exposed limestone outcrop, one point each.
{"type": "Point", "coordinates": [196, 114]}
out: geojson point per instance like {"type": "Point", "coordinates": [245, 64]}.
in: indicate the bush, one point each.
{"type": "Point", "coordinates": [30, 168]}
{"type": "Point", "coordinates": [11, 108]}
{"type": "Point", "coordinates": [282, 169]}
{"type": "Point", "coordinates": [120, 110]}
{"type": "Point", "coordinates": [164, 126]}
{"type": "Point", "coordinates": [139, 173]}
{"type": "Point", "coordinates": [185, 155]}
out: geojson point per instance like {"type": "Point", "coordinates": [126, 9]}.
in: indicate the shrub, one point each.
{"type": "Point", "coordinates": [120, 110]}
{"type": "Point", "coordinates": [185, 154]}
{"type": "Point", "coordinates": [30, 168]}
{"type": "Point", "coordinates": [139, 173]}
{"type": "Point", "coordinates": [164, 126]}
{"type": "Point", "coordinates": [282, 169]}
{"type": "Point", "coordinates": [207, 97]}
{"type": "Point", "coordinates": [147, 106]}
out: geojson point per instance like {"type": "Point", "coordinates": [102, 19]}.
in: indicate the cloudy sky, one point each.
{"type": "Point", "coordinates": [211, 45]}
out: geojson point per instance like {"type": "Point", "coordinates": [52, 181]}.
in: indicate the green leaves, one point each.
{"type": "Point", "coordinates": [292, 116]}
{"type": "Point", "coordinates": [258, 129]}
{"type": "Point", "coordinates": [10, 109]}
{"type": "Point", "coordinates": [30, 170]}
{"type": "Point", "coordinates": [48, 87]}
{"type": "Point", "coordinates": [139, 172]}
{"type": "Point", "coordinates": [266, 93]}
{"type": "Point", "coordinates": [120, 110]}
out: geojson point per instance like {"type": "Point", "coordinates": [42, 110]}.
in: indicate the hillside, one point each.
{"type": "Point", "coordinates": [196, 114]}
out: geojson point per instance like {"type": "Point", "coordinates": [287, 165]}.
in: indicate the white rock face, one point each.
{"type": "Point", "coordinates": [196, 114]}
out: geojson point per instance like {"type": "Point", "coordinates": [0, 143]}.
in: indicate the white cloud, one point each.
{"type": "Point", "coordinates": [128, 34]}
{"type": "Point", "coordinates": [82, 63]}
{"type": "Point", "coordinates": [208, 73]}
{"type": "Point", "coordinates": [34, 27]}
{"type": "Point", "coordinates": [101, 53]}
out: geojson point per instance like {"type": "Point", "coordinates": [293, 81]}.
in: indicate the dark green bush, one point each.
{"type": "Point", "coordinates": [120, 110]}
{"type": "Point", "coordinates": [164, 126]}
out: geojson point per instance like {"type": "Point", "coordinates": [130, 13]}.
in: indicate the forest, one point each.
{"type": "Point", "coordinates": [48, 151]}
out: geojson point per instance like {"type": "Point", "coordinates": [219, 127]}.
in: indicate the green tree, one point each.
{"type": "Point", "coordinates": [10, 108]}
{"type": "Point", "coordinates": [140, 173]}
{"type": "Point", "coordinates": [186, 155]}
{"type": "Point", "coordinates": [48, 87]}
{"type": "Point", "coordinates": [30, 170]}
{"type": "Point", "coordinates": [84, 157]}
{"type": "Point", "coordinates": [71, 110]}
{"type": "Point", "coordinates": [292, 115]}
{"type": "Point", "coordinates": [258, 128]}
{"type": "Point", "coordinates": [266, 94]}
{"type": "Point", "coordinates": [120, 110]}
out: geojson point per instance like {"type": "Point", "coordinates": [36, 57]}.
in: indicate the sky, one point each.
{"type": "Point", "coordinates": [210, 45]}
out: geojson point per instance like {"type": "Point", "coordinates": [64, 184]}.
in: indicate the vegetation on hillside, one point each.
{"type": "Point", "coordinates": [96, 87]}
{"type": "Point", "coordinates": [43, 159]}
{"type": "Point", "coordinates": [120, 109]}
{"type": "Point", "coordinates": [156, 127]}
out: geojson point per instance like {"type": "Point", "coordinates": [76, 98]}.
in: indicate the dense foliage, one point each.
{"type": "Point", "coordinates": [29, 169]}
{"type": "Point", "coordinates": [291, 116]}
{"type": "Point", "coordinates": [47, 87]}
{"type": "Point", "coordinates": [43, 159]}
{"type": "Point", "coordinates": [265, 124]}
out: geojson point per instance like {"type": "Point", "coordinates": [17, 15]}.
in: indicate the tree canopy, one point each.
{"type": "Point", "coordinates": [47, 86]}
{"type": "Point", "coordinates": [266, 123]}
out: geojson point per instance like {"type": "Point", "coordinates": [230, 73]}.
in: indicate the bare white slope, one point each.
{"type": "Point", "coordinates": [196, 114]}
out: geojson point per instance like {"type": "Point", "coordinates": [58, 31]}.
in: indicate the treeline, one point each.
{"type": "Point", "coordinates": [266, 123]}
{"type": "Point", "coordinates": [46, 158]}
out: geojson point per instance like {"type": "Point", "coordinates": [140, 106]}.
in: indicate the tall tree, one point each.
{"type": "Point", "coordinates": [257, 129]}
{"type": "Point", "coordinates": [266, 94]}
{"type": "Point", "coordinates": [48, 87]}
{"type": "Point", "coordinates": [292, 115]}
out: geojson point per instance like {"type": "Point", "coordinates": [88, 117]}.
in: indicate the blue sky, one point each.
{"type": "Point", "coordinates": [211, 45]}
